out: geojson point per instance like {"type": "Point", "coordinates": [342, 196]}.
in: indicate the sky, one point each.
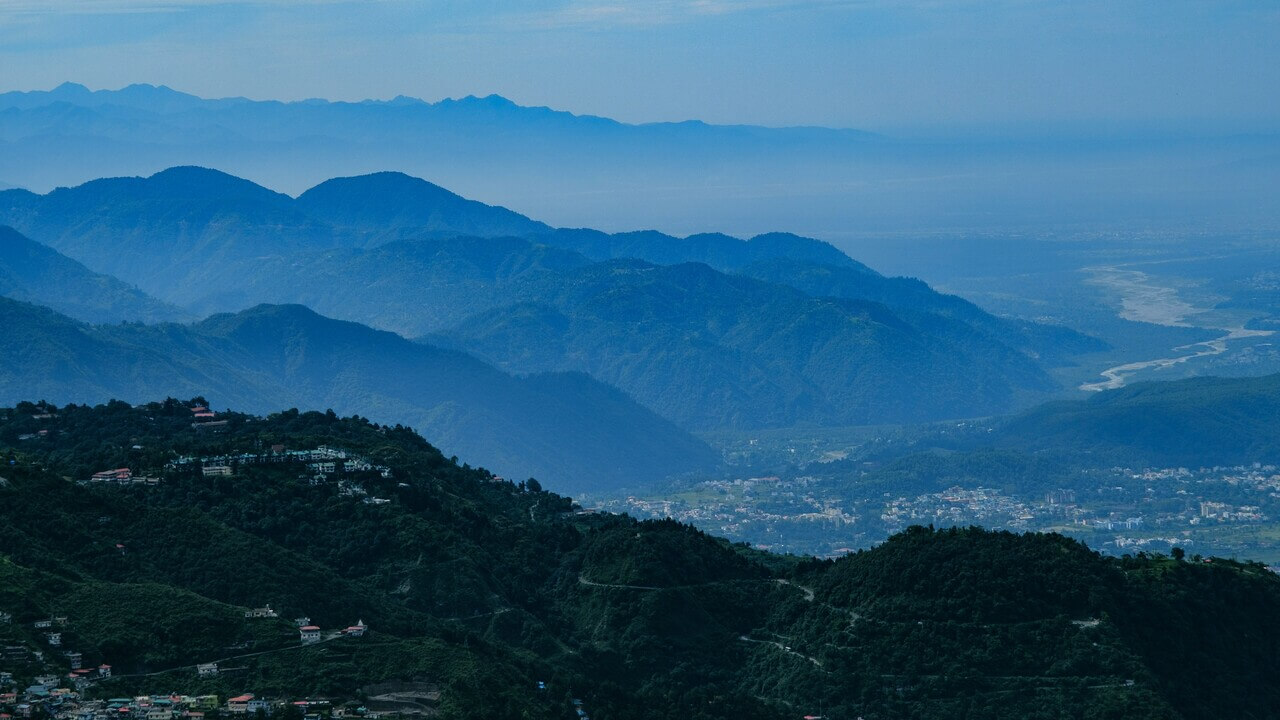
{"type": "Point", "coordinates": [884, 65]}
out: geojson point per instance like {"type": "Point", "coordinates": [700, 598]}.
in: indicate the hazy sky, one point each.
{"type": "Point", "coordinates": [875, 64]}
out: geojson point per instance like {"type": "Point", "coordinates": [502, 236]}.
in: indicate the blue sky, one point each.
{"type": "Point", "coordinates": [891, 66]}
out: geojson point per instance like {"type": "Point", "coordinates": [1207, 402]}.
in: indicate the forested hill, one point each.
{"type": "Point", "coordinates": [488, 587]}
{"type": "Point", "coordinates": [1197, 421]}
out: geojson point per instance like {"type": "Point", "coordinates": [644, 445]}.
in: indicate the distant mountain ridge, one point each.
{"type": "Point", "coordinates": [566, 429]}
{"type": "Point", "coordinates": [166, 99]}
{"type": "Point", "coordinates": [583, 170]}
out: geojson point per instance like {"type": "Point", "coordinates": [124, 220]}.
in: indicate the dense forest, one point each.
{"type": "Point", "coordinates": [489, 586]}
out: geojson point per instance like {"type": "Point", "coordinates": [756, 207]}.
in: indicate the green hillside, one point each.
{"type": "Point", "coordinates": [486, 587]}
{"type": "Point", "coordinates": [1197, 421]}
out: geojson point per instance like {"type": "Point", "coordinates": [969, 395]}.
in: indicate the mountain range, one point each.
{"type": "Point", "coordinates": [710, 331]}
{"type": "Point", "coordinates": [576, 170]}
{"type": "Point", "coordinates": [565, 428]}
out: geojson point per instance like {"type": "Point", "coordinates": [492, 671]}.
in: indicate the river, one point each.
{"type": "Point", "coordinates": [1143, 300]}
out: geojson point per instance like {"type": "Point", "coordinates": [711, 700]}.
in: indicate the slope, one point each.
{"type": "Point", "coordinates": [713, 351]}
{"type": "Point", "coordinates": [35, 273]}
{"type": "Point", "coordinates": [1197, 421]}
{"type": "Point", "coordinates": [166, 230]}
{"type": "Point", "coordinates": [486, 587]}
{"type": "Point", "coordinates": [564, 429]}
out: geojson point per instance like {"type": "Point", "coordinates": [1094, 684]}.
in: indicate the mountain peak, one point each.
{"type": "Point", "coordinates": [383, 179]}
{"type": "Point", "coordinates": [267, 320]}
{"type": "Point", "coordinates": [182, 179]}
{"type": "Point", "coordinates": [490, 100]}
{"type": "Point", "coordinates": [394, 199]}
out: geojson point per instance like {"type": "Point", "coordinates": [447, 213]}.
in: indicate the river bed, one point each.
{"type": "Point", "coordinates": [1142, 299]}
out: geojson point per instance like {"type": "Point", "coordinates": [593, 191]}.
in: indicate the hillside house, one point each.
{"type": "Point", "coordinates": [104, 671]}
{"type": "Point", "coordinates": [256, 706]}
{"type": "Point", "coordinates": [207, 669]}
{"type": "Point", "coordinates": [53, 638]}
{"type": "Point", "coordinates": [262, 612]}
{"type": "Point", "coordinates": [356, 630]}
{"type": "Point", "coordinates": [217, 471]}
{"type": "Point", "coordinates": [119, 475]}
{"type": "Point", "coordinates": [240, 703]}
{"type": "Point", "coordinates": [309, 634]}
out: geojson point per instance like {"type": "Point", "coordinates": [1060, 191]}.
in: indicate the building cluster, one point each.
{"type": "Point", "coordinates": [323, 462]}
{"type": "Point", "coordinates": [47, 697]}
{"type": "Point", "coordinates": [958, 506]}
{"type": "Point", "coordinates": [1226, 512]}
{"type": "Point", "coordinates": [307, 632]}
{"type": "Point", "coordinates": [66, 696]}
{"type": "Point", "coordinates": [203, 419]}
{"type": "Point", "coordinates": [1125, 544]}
{"type": "Point", "coordinates": [120, 476]}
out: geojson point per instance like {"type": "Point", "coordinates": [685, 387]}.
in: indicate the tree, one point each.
{"type": "Point", "coordinates": [1178, 553]}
